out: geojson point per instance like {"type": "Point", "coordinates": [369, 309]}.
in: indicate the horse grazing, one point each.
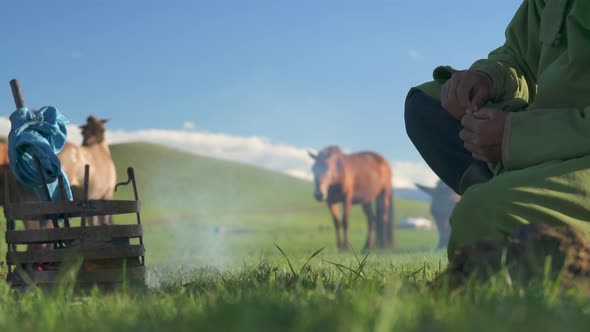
{"type": "Point", "coordinates": [443, 200]}
{"type": "Point", "coordinates": [356, 178]}
{"type": "Point", "coordinates": [94, 152]}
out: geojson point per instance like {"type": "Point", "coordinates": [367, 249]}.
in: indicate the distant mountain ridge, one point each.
{"type": "Point", "coordinates": [412, 194]}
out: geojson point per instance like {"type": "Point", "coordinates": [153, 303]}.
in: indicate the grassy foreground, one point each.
{"type": "Point", "coordinates": [235, 248]}
{"type": "Point", "coordinates": [357, 295]}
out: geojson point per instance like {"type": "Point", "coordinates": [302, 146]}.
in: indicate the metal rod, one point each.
{"type": "Point", "coordinates": [54, 219]}
{"type": "Point", "coordinates": [131, 176]}
{"type": "Point", "coordinates": [86, 180]}
{"type": "Point", "coordinates": [45, 188]}
{"type": "Point", "coordinates": [64, 196]}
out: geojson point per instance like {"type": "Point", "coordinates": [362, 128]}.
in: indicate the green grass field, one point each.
{"type": "Point", "coordinates": [204, 279]}
{"type": "Point", "coordinates": [186, 198]}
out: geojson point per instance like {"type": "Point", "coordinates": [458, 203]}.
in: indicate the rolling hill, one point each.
{"type": "Point", "coordinates": [173, 182]}
{"type": "Point", "coordinates": [201, 210]}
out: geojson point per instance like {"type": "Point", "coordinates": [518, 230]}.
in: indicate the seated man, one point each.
{"type": "Point", "coordinates": [512, 133]}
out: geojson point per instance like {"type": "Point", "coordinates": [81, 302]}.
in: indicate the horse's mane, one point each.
{"type": "Point", "coordinates": [330, 150]}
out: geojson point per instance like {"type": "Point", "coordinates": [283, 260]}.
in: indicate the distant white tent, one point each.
{"type": "Point", "coordinates": [417, 223]}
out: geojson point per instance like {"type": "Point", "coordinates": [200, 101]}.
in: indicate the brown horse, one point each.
{"type": "Point", "coordinates": [357, 178]}
{"type": "Point", "coordinates": [3, 168]}
{"type": "Point", "coordinates": [17, 191]}
{"type": "Point", "coordinates": [95, 152]}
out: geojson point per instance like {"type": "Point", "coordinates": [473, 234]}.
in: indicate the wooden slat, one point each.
{"type": "Point", "coordinates": [105, 233]}
{"type": "Point", "coordinates": [97, 276]}
{"type": "Point", "coordinates": [59, 255]}
{"type": "Point", "coordinates": [72, 209]}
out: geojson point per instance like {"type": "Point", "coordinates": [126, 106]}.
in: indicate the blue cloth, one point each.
{"type": "Point", "coordinates": [40, 134]}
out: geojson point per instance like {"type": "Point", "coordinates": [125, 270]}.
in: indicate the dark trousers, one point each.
{"type": "Point", "coordinates": [435, 134]}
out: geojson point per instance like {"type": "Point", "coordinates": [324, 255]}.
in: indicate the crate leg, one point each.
{"type": "Point", "coordinates": [86, 181]}
{"type": "Point", "coordinates": [131, 175]}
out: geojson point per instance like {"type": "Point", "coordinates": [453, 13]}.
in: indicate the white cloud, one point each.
{"type": "Point", "coordinates": [188, 125]}
{"type": "Point", "coordinates": [261, 152]}
{"type": "Point", "coordinates": [407, 173]}
{"type": "Point", "coordinates": [254, 150]}
{"type": "Point", "coordinates": [4, 126]}
{"type": "Point", "coordinates": [415, 55]}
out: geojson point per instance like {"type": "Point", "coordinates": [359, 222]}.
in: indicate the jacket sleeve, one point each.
{"type": "Point", "coordinates": [513, 66]}
{"type": "Point", "coordinates": [534, 137]}
{"type": "Point", "coordinates": [539, 135]}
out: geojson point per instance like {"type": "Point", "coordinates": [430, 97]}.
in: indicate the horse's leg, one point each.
{"type": "Point", "coordinates": [379, 226]}
{"type": "Point", "coordinates": [368, 209]}
{"type": "Point", "coordinates": [97, 220]}
{"type": "Point", "coordinates": [30, 225]}
{"type": "Point", "coordinates": [101, 220]}
{"type": "Point", "coordinates": [37, 225]}
{"type": "Point", "coordinates": [386, 218]}
{"type": "Point", "coordinates": [92, 221]}
{"type": "Point", "coordinates": [45, 224]}
{"type": "Point", "coordinates": [107, 219]}
{"type": "Point", "coordinates": [336, 218]}
{"type": "Point", "coordinates": [347, 204]}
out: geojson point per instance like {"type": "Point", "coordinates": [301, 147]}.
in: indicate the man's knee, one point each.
{"type": "Point", "coordinates": [412, 111]}
{"type": "Point", "coordinates": [418, 110]}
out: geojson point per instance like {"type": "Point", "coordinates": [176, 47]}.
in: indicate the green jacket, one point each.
{"type": "Point", "coordinates": [541, 75]}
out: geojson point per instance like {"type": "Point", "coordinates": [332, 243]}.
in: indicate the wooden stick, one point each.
{"type": "Point", "coordinates": [9, 221]}
{"type": "Point", "coordinates": [17, 94]}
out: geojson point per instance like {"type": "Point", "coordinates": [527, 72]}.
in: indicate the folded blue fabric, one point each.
{"type": "Point", "coordinates": [40, 134]}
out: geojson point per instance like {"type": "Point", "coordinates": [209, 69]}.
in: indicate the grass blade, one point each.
{"type": "Point", "coordinates": [288, 261]}
{"type": "Point", "coordinates": [310, 258]}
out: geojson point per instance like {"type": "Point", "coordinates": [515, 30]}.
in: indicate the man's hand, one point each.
{"type": "Point", "coordinates": [466, 91]}
{"type": "Point", "coordinates": [482, 134]}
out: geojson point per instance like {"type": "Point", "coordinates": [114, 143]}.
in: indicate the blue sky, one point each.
{"type": "Point", "coordinates": [300, 73]}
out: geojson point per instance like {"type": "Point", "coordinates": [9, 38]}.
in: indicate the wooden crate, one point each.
{"type": "Point", "coordinates": [107, 255]}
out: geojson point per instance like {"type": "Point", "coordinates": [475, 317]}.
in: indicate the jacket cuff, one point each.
{"type": "Point", "coordinates": [497, 73]}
